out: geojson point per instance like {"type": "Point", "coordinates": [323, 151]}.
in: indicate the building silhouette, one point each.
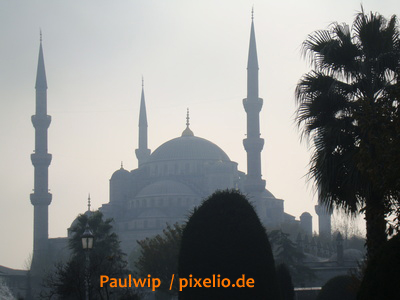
{"type": "Point", "coordinates": [176, 176]}
{"type": "Point", "coordinates": [169, 181]}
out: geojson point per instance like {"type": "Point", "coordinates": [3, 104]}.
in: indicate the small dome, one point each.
{"type": "Point", "coordinates": [75, 222]}
{"type": "Point", "coordinates": [267, 194]}
{"type": "Point", "coordinates": [165, 187]}
{"type": "Point", "coordinates": [305, 215]}
{"type": "Point", "coordinates": [120, 174]}
{"type": "Point", "coordinates": [188, 147]}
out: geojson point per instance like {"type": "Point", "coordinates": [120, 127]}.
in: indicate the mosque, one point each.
{"type": "Point", "coordinates": [168, 182]}
{"type": "Point", "coordinates": [176, 176]}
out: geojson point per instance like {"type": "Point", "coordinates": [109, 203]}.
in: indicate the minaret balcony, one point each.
{"type": "Point", "coordinates": [41, 121]}
{"type": "Point", "coordinates": [40, 159]}
{"type": "Point", "coordinates": [253, 144]}
{"type": "Point", "coordinates": [41, 198]}
{"type": "Point", "coordinates": [252, 104]}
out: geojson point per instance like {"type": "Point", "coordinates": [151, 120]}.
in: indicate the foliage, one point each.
{"type": "Point", "coordinates": [286, 252]}
{"type": "Point", "coordinates": [291, 228]}
{"type": "Point", "coordinates": [347, 107]}
{"type": "Point", "coordinates": [225, 236]}
{"type": "Point", "coordinates": [5, 292]}
{"type": "Point", "coordinates": [347, 225]}
{"type": "Point", "coordinates": [339, 287]}
{"type": "Point", "coordinates": [159, 257]}
{"type": "Point", "coordinates": [105, 258]}
{"type": "Point", "coordinates": [285, 282]}
{"type": "Point", "coordinates": [381, 277]}
{"type": "Point", "coordinates": [355, 242]}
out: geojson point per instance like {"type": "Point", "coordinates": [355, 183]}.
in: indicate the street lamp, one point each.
{"type": "Point", "coordinates": [339, 247]}
{"type": "Point", "coordinates": [87, 238]}
{"type": "Point", "coordinates": [87, 244]}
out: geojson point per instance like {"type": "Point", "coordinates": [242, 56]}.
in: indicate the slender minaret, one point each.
{"type": "Point", "coordinates": [142, 153]}
{"type": "Point", "coordinates": [253, 144]}
{"type": "Point", "coordinates": [324, 220]}
{"type": "Point", "coordinates": [40, 198]}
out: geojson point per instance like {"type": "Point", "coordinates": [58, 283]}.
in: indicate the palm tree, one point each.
{"type": "Point", "coordinates": [344, 107]}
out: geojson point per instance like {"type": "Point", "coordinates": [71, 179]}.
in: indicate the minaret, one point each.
{"type": "Point", "coordinates": [324, 220]}
{"type": "Point", "coordinates": [253, 144]}
{"type": "Point", "coordinates": [142, 153]}
{"type": "Point", "coordinates": [40, 198]}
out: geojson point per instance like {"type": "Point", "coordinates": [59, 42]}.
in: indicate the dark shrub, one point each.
{"type": "Point", "coordinates": [225, 237]}
{"type": "Point", "coordinates": [285, 282]}
{"type": "Point", "coordinates": [339, 288]}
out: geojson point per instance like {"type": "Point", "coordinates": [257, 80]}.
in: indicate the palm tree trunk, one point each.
{"type": "Point", "coordinates": [376, 225]}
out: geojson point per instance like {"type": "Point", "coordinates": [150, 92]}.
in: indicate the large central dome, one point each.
{"type": "Point", "coordinates": [188, 147]}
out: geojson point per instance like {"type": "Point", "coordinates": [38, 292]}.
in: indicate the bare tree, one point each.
{"type": "Point", "coordinates": [5, 292]}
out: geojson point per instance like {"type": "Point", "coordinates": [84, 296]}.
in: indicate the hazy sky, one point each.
{"type": "Point", "coordinates": [191, 54]}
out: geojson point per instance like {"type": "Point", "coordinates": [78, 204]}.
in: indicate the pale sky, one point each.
{"type": "Point", "coordinates": [191, 54]}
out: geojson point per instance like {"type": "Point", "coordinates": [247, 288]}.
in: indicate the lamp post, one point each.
{"type": "Point", "coordinates": [339, 245]}
{"type": "Point", "coordinates": [87, 244]}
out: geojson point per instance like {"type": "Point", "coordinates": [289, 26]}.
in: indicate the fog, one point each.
{"type": "Point", "coordinates": [191, 54]}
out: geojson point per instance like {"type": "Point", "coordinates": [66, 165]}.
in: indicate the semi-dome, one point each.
{"type": "Point", "coordinates": [188, 147]}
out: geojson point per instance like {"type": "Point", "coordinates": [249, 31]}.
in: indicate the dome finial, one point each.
{"type": "Point", "coordinates": [142, 82]}
{"type": "Point", "coordinates": [40, 35]}
{"type": "Point", "coordinates": [122, 164]}
{"type": "Point", "coordinates": [88, 204]}
{"type": "Point", "coordinates": [252, 13]}
{"type": "Point", "coordinates": [187, 131]}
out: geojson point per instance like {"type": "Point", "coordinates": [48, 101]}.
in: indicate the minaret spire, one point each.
{"type": "Point", "coordinates": [88, 203]}
{"type": "Point", "coordinates": [40, 198]}
{"type": "Point", "coordinates": [252, 64]}
{"type": "Point", "coordinates": [143, 115]}
{"type": "Point", "coordinates": [252, 105]}
{"type": "Point", "coordinates": [142, 153]}
{"type": "Point", "coordinates": [41, 82]}
{"type": "Point", "coordinates": [187, 131]}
